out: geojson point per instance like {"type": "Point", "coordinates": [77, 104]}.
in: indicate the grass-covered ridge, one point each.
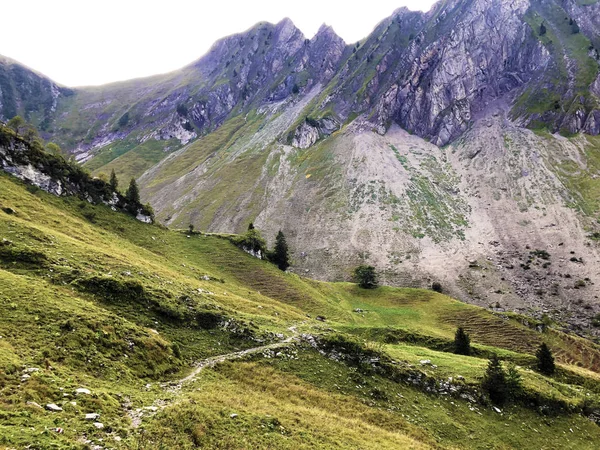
{"type": "Point", "coordinates": [124, 309]}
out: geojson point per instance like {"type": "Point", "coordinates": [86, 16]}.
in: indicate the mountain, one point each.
{"type": "Point", "coordinates": [456, 146]}
{"type": "Point", "coordinates": [119, 334]}
{"type": "Point", "coordinates": [28, 93]}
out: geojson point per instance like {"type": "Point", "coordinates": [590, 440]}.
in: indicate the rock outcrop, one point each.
{"type": "Point", "coordinates": [28, 161]}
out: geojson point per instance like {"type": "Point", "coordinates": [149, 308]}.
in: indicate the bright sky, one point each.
{"type": "Point", "coordinates": [87, 42]}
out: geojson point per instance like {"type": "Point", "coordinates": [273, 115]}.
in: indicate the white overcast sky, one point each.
{"type": "Point", "coordinates": [88, 42]}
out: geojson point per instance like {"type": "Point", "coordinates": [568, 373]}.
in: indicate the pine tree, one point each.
{"type": "Point", "coordinates": [545, 360]}
{"type": "Point", "coordinates": [494, 381]}
{"type": "Point", "coordinates": [250, 226]}
{"type": "Point", "coordinates": [133, 197]}
{"type": "Point", "coordinates": [366, 277]}
{"type": "Point", "coordinates": [462, 342]}
{"type": "Point", "coordinates": [280, 254]}
{"type": "Point", "coordinates": [513, 382]}
{"type": "Point", "coordinates": [114, 181]}
{"type": "Point", "coordinates": [542, 29]}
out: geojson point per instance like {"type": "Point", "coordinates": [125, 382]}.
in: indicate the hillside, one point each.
{"type": "Point", "coordinates": [179, 340]}
{"type": "Point", "coordinates": [456, 146]}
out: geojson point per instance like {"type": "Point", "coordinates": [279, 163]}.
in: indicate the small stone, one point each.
{"type": "Point", "coordinates": [425, 362]}
{"type": "Point", "coordinates": [498, 410]}
{"type": "Point", "coordinates": [99, 425]}
{"type": "Point", "coordinates": [83, 391]}
{"type": "Point", "coordinates": [233, 416]}
{"type": "Point", "coordinates": [92, 416]}
{"type": "Point", "coordinates": [151, 408]}
{"type": "Point", "coordinates": [37, 405]}
{"type": "Point", "coordinates": [53, 407]}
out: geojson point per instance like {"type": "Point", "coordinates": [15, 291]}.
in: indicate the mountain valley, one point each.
{"type": "Point", "coordinates": [456, 151]}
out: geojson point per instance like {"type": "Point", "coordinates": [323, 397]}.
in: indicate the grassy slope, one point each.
{"type": "Point", "coordinates": [149, 321]}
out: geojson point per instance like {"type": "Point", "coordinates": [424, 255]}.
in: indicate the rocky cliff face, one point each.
{"type": "Point", "coordinates": [431, 73]}
{"type": "Point", "coordinates": [434, 73]}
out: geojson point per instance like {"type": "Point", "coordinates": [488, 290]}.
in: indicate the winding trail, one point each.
{"type": "Point", "coordinates": [210, 362]}
{"type": "Point", "coordinates": [176, 387]}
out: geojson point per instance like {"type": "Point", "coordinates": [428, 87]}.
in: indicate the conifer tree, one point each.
{"type": "Point", "coordinates": [133, 197]}
{"type": "Point", "coordinates": [366, 277]}
{"type": "Point", "coordinates": [280, 254]}
{"type": "Point", "coordinates": [114, 181]}
{"type": "Point", "coordinates": [494, 381]}
{"type": "Point", "coordinates": [250, 226]}
{"type": "Point", "coordinates": [462, 342]}
{"type": "Point", "coordinates": [513, 382]}
{"type": "Point", "coordinates": [545, 360]}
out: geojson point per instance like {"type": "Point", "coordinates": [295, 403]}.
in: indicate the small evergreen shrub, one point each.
{"type": "Point", "coordinates": [366, 277]}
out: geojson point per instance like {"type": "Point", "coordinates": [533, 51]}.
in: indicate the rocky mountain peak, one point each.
{"type": "Point", "coordinates": [287, 31]}
{"type": "Point", "coordinates": [326, 32]}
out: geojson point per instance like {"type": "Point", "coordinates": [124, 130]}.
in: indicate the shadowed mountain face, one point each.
{"type": "Point", "coordinates": [457, 145]}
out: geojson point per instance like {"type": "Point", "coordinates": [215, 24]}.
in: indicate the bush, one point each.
{"type": "Point", "coordinates": [366, 277]}
{"type": "Point", "coordinates": [312, 122]}
{"type": "Point", "coordinates": [436, 286]}
{"type": "Point", "coordinates": [251, 241]}
{"type": "Point", "coordinates": [182, 110]}
{"type": "Point", "coordinates": [124, 120]}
